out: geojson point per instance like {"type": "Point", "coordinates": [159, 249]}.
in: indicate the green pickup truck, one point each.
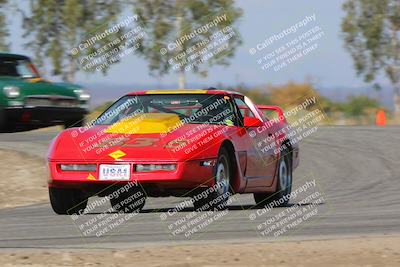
{"type": "Point", "coordinates": [26, 99]}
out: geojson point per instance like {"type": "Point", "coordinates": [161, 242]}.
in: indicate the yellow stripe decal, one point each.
{"type": "Point", "coordinates": [147, 123]}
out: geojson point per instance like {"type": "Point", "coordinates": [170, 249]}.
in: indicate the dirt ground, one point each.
{"type": "Point", "coordinates": [371, 251]}
{"type": "Point", "coordinates": [23, 179]}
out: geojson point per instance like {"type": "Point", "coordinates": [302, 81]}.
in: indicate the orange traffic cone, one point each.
{"type": "Point", "coordinates": [380, 119]}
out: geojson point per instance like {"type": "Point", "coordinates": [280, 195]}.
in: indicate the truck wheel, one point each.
{"type": "Point", "coordinates": [3, 120]}
{"type": "Point", "coordinates": [283, 188]}
{"type": "Point", "coordinates": [129, 202]}
{"type": "Point", "coordinates": [216, 197]}
{"type": "Point", "coordinates": [67, 201]}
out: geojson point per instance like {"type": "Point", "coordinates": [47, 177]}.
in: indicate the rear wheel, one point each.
{"type": "Point", "coordinates": [130, 201]}
{"type": "Point", "coordinates": [283, 188]}
{"type": "Point", "coordinates": [216, 197]}
{"type": "Point", "coordinates": [67, 201]}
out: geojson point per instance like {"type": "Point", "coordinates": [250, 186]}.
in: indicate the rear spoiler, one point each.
{"type": "Point", "coordinates": [278, 110]}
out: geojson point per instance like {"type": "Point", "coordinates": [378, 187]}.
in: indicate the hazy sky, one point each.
{"type": "Point", "coordinates": [330, 65]}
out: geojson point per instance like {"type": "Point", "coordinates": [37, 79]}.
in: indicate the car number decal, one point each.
{"type": "Point", "coordinates": [127, 142]}
{"type": "Point", "coordinates": [141, 142]}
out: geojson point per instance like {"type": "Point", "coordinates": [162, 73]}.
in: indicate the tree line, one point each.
{"type": "Point", "coordinates": [370, 30]}
{"type": "Point", "coordinates": [53, 27]}
{"type": "Point", "coordinates": [356, 109]}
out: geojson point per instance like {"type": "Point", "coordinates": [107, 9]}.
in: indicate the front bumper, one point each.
{"type": "Point", "coordinates": [43, 115]}
{"type": "Point", "coordinates": [187, 175]}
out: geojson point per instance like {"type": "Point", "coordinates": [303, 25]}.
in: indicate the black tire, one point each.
{"type": "Point", "coordinates": [78, 122]}
{"type": "Point", "coordinates": [284, 185]}
{"type": "Point", "coordinates": [129, 202]}
{"type": "Point", "coordinates": [67, 201]}
{"type": "Point", "coordinates": [216, 198]}
{"type": "Point", "coordinates": [3, 120]}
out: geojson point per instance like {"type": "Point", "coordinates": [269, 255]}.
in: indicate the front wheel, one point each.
{"type": "Point", "coordinates": [67, 201]}
{"type": "Point", "coordinates": [216, 197]}
{"type": "Point", "coordinates": [283, 188]}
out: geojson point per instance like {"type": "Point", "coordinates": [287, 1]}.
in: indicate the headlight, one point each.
{"type": "Point", "coordinates": [82, 94]}
{"type": "Point", "coordinates": [11, 91]}
{"type": "Point", "coordinates": [78, 167]}
{"type": "Point", "coordinates": [155, 167]}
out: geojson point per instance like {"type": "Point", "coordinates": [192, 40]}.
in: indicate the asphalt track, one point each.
{"type": "Point", "coordinates": [356, 169]}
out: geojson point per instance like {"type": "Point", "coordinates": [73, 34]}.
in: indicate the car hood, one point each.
{"type": "Point", "coordinates": [38, 86]}
{"type": "Point", "coordinates": [148, 140]}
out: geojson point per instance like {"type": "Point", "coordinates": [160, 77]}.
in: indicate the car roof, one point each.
{"type": "Point", "coordinates": [13, 56]}
{"type": "Point", "coordinates": [209, 91]}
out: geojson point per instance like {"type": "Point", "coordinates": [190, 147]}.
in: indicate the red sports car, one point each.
{"type": "Point", "coordinates": [203, 144]}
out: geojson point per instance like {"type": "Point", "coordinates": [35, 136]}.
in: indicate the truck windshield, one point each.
{"type": "Point", "coordinates": [21, 68]}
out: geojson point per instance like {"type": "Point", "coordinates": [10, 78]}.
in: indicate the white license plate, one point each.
{"type": "Point", "coordinates": [115, 172]}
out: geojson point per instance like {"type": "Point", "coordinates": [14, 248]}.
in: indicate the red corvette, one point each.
{"type": "Point", "coordinates": [203, 144]}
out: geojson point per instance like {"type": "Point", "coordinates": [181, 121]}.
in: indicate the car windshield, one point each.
{"type": "Point", "coordinates": [13, 67]}
{"type": "Point", "coordinates": [190, 108]}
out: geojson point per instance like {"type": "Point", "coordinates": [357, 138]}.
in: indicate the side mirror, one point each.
{"type": "Point", "coordinates": [275, 109]}
{"type": "Point", "coordinates": [252, 122]}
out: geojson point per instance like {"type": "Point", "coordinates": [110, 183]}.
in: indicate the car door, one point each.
{"type": "Point", "coordinates": [254, 171]}
{"type": "Point", "coordinates": [261, 161]}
